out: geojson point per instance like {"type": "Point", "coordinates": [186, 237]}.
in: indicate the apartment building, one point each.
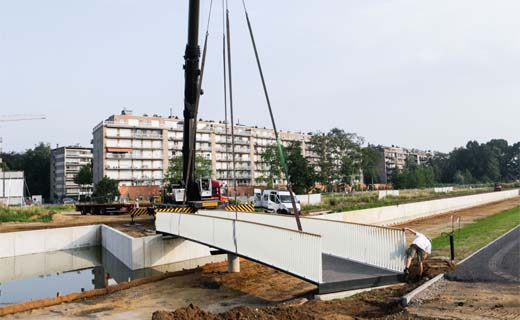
{"type": "Point", "coordinates": [136, 150]}
{"type": "Point", "coordinates": [65, 164]}
{"type": "Point", "coordinates": [396, 157]}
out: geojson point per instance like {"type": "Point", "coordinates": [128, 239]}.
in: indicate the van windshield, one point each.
{"type": "Point", "coordinates": [285, 198]}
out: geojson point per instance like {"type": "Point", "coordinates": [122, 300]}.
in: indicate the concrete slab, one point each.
{"type": "Point", "coordinates": [349, 293]}
{"type": "Point", "coordinates": [341, 274]}
{"type": "Point", "coordinates": [407, 298]}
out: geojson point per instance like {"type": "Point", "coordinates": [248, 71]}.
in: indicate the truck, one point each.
{"type": "Point", "coordinates": [277, 201]}
{"type": "Point", "coordinates": [208, 190]}
{"type": "Point", "coordinates": [104, 208]}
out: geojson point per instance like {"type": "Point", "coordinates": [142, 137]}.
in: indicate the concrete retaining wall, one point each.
{"type": "Point", "coordinates": [47, 240]}
{"type": "Point", "coordinates": [444, 189]}
{"type": "Point", "coordinates": [385, 193]}
{"type": "Point", "coordinates": [401, 213]}
{"type": "Point", "coordinates": [145, 252]}
{"type": "Point", "coordinates": [135, 253]}
{"type": "Point", "coordinates": [30, 265]}
{"type": "Point", "coordinates": [309, 198]}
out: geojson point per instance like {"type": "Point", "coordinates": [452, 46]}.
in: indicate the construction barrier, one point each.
{"type": "Point", "coordinates": [139, 212]}
{"type": "Point", "coordinates": [177, 209]}
{"type": "Point", "coordinates": [246, 207]}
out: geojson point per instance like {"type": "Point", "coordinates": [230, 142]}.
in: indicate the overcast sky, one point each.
{"type": "Point", "coordinates": [425, 74]}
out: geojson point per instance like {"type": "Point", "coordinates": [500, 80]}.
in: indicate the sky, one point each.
{"type": "Point", "coordinates": [424, 74]}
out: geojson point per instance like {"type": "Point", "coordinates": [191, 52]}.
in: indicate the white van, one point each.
{"type": "Point", "coordinates": [277, 201]}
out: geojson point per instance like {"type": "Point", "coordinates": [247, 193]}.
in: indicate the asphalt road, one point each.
{"type": "Point", "coordinates": [499, 262]}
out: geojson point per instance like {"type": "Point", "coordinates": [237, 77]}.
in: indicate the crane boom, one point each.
{"type": "Point", "coordinates": [21, 117]}
{"type": "Point", "coordinates": [191, 96]}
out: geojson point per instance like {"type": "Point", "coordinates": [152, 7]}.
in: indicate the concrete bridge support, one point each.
{"type": "Point", "coordinates": [233, 263]}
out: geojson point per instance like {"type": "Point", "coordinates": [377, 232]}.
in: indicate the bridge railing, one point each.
{"type": "Point", "coordinates": [297, 253]}
{"type": "Point", "coordinates": [379, 246]}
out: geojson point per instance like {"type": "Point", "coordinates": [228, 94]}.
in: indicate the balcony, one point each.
{"type": "Point", "coordinates": [147, 136]}
{"type": "Point", "coordinates": [133, 156]}
{"type": "Point", "coordinates": [117, 124]}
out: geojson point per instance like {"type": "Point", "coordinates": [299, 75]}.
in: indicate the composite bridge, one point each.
{"type": "Point", "coordinates": [335, 256]}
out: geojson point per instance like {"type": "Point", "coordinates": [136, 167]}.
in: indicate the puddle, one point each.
{"type": "Point", "coordinates": [44, 275]}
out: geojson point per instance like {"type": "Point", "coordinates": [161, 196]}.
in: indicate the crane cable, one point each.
{"type": "Point", "coordinates": [230, 79]}
{"type": "Point", "coordinates": [197, 102]}
{"type": "Point", "coordinates": [278, 141]}
{"type": "Point", "coordinates": [225, 87]}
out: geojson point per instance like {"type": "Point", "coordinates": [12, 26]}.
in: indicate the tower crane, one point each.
{"type": "Point", "coordinates": [21, 117]}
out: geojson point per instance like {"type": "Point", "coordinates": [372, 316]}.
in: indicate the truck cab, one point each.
{"type": "Point", "coordinates": [277, 201]}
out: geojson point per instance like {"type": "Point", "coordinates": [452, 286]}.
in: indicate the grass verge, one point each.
{"type": "Point", "coordinates": [31, 214]}
{"type": "Point", "coordinates": [476, 235]}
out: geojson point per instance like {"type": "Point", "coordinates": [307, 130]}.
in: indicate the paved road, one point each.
{"type": "Point", "coordinates": [499, 262]}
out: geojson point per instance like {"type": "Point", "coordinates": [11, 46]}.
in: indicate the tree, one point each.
{"type": "Point", "coordinates": [301, 174]}
{"type": "Point", "coordinates": [512, 163]}
{"type": "Point", "coordinates": [271, 158]}
{"type": "Point", "coordinates": [84, 175]}
{"type": "Point", "coordinates": [320, 147]}
{"type": "Point", "coordinates": [84, 179]}
{"type": "Point", "coordinates": [339, 156]}
{"type": "Point", "coordinates": [372, 160]}
{"type": "Point", "coordinates": [36, 166]}
{"type": "Point", "coordinates": [174, 174]}
{"type": "Point", "coordinates": [492, 161]}
{"type": "Point", "coordinates": [106, 190]}
{"type": "Point", "coordinates": [413, 175]}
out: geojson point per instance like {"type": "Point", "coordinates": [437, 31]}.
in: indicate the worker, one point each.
{"type": "Point", "coordinates": [421, 246]}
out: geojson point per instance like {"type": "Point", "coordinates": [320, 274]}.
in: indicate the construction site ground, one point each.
{"type": "Point", "coordinates": [260, 292]}
{"type": "Point", "coordinates": [72, 218]}
{"type": "Point", "coordinates": [484, 286]}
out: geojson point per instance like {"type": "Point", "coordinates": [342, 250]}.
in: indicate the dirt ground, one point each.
{"type": "Point", "coordinates": [259, 292]}
{"type": "Point", "coordinates": [462, 300]}
{"type": "Point", "coordinates": [70, 219]}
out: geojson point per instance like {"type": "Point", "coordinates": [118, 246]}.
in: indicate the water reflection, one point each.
{"type": "Point", "coordinates": [45, 275]}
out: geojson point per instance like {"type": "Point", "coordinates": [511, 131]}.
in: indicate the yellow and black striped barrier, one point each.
{"type": "Point", "coordinates": [139, 212]}
{"type": "Point", "coordinates": [177, 210]}
{"type": "Point", "coordinates": [246, 207]}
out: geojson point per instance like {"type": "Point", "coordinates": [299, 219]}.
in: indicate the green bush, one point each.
{"type": "Point", "coordinates": [31, 214]}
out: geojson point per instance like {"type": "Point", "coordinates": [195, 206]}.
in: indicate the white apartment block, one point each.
{"type": "Point", "coordinates": [396, 157]}
{"type": "Point", "coordinates": [136, 150]}
{"type": "Point", "coordinates": [65, 164]}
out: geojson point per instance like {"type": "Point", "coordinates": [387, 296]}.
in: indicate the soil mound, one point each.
{"type": "Point", "coordinates": [190, 312]}
{"type": "Point", "coordinates": [372, 305]}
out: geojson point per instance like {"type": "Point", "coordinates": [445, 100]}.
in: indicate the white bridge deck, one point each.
{"type": "Point", "coordinates": [336, 256]}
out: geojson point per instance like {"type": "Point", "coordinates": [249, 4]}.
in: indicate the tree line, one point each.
{"type": "Point", "coordinates": [36, 164]}
{"type": "Point", "coordinates": [333, 161]}
{"type": "Point", "coordinates": [336, 158]}
{"type": "Point", "coordinates": [493, 161]}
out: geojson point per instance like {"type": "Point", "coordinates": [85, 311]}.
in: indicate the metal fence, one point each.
{"type": "Point", "coordinates": [297, 253]}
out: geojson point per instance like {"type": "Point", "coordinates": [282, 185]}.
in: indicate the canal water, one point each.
{"type": "Point", "coordinates": [45, 275]}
